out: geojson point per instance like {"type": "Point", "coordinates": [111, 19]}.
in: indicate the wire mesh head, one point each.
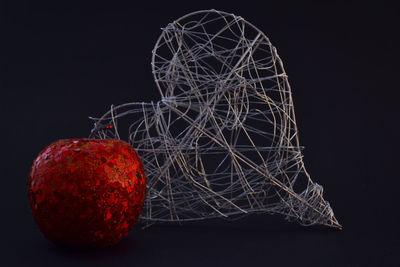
{"type": "Point", "coordinates": [222, 141]}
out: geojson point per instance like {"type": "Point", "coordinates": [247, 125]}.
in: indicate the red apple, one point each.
{"type": "Point", "coordinates": [87, 192]}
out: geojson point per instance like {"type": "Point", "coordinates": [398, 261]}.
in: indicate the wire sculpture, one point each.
{"type": "Point", "coordinates": [222, 142]}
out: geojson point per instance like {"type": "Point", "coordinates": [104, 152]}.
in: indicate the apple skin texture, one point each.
{"type": "Point", "coordinates": [87, 192]}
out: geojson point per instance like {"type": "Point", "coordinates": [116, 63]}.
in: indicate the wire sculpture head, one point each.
{"type": "Point", "coordinates": [222, 141]}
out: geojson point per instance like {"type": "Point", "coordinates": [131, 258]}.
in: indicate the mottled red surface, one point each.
{"type": "Point", "coordinates": [87, 192]}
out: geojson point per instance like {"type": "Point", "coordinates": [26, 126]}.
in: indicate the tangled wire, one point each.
{"type": "Point", "coordinates": [222, 141]}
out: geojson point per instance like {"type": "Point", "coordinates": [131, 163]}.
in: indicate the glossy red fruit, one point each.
{"type": "Point", "coordinates": [87, 192]}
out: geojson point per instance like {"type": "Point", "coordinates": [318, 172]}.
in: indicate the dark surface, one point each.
{"type": "Point", "coordinates": [61, 64]}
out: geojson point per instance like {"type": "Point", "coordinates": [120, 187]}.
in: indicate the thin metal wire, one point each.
{"type": "Point", "coordinates": [222, 142]}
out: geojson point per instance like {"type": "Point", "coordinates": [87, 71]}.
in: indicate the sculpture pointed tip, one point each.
{"type": "Point", "coordinates": [336, 224]}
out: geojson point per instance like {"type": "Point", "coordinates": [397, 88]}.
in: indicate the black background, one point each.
{"type": "Point", "coordinates": [62, 63]}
